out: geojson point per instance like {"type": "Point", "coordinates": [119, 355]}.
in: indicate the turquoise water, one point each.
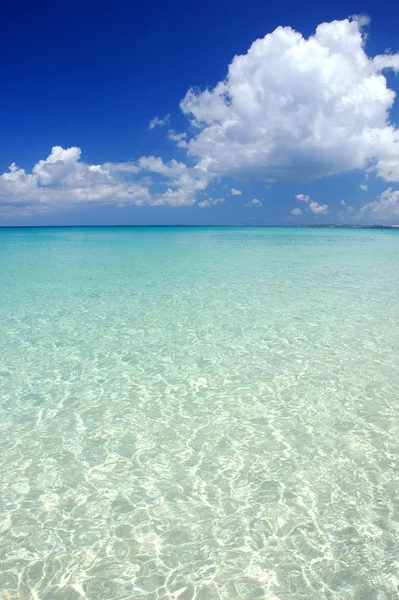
{"type": "Point", "coordinates": [199, 413]}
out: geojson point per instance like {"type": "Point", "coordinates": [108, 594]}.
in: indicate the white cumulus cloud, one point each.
{"type": "Point", "coordinates": [318, 209]}
{"type": "Point", "coordinates": [296, 212]}
{"type": "Point", "coordinates": [63, 180]}
{"type": "Point", "coordinates": [299, 109]}
{"type": "Point", "coordinates": [291, 108]}
{"type": "Point", "coordinates": [303, 198]}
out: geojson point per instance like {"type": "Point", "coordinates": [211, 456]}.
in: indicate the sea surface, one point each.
{"type": "Point", "coordinates": [199, 413]}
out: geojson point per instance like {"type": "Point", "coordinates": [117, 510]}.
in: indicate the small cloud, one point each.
{"type": "Point", "coordinates": [318, 209]}
{"type": "Point", "coordinates": [179, 138]}
{"type": "Point", "coordinates": [313, 206]}
{"type": "Point", "coordinates": [255, 202]}
{"type": "Point", "coordinates": [364, 187]}
{"type": "Point", "coordinates": [363, 20]}
{"type": "Point", "coordinates": [296, 212]}
{"type": "Point", "coordinates": [204, 204]}
{"type": "Point", "coordinates": [235, 192]}
{"type": "Point", "coordinates": [210, 202]}
{"type": "Point", "coordinates": [158, 122]}
{"type": "Point", "coordinates": [347, 210]}
{"type": "Point", "coordinates": [346, 214]}
{"type": "Point", "coordinates": [303, 198]}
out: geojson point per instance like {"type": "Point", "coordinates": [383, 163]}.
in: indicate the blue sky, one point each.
{"type": "Point", "coordinates": [303, 122]}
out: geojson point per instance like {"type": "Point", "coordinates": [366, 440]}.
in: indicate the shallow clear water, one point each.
{"type": "Point", "coordinates": [199, 413]}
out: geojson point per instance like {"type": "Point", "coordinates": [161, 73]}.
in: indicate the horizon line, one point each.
{"type": "Point", "coordinates": [297, 226]}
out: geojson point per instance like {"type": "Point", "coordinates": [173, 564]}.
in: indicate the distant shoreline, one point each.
{"type": "Point", "coordinates": [309, 226]}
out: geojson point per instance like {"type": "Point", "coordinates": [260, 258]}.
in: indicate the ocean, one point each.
{"type": "Point", "coordinates": [199, 413]}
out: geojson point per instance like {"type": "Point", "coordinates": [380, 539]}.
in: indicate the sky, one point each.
{"type": "Point", "coordinates": [227, 113]}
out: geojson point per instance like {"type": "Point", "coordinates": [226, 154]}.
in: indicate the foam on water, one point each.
{"type": "Point", "coordinates": [199, 414]}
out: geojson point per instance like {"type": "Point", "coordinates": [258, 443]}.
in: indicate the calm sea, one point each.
{"type": "Point", "coordinates": [199, 413]}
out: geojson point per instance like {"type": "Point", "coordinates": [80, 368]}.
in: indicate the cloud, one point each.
{"type": "Point", "coordinates": [156, 165]}
{"type": "Point", "coordinates": [158, 122]}
{"type": "Point", "coordinates": [364, 187]}
{"type": "Point", "coordinates": [255, 202]}
{"type": "Point", "coordinates": [387, 61]}
{"type": "Point", "coordinates": [312, 205]}
{"type": "Point", "coordinates": [318, 209]}
{"type": "Point", "coordinates": [293, 108]}
{"type": "Point", "coordinates": [210, 202]}
{"type": "Point", "coordinates": [303, 198]}
{"type": "Point", "coordinates": [385, 208]}
{"type": "Point", "coordinates": [296, 212]}
{"type": "Point", "coordinates": [363, 20]}
{"type": "Point", "coordinates": [347, 212]}
{"type": "Point", "coordinates": [179, 138]}
{"type": "Point", "coordinates": [63, 180]}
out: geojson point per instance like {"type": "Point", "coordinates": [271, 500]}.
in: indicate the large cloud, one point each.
{"type": "Point", "coordinates": [296, 108]}
{"type": "Point", "coordinates": [63, 180]}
